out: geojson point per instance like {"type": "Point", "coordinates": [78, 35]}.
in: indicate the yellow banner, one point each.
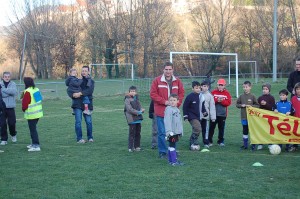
{"type": "Point", "coordinates": [268, 127]}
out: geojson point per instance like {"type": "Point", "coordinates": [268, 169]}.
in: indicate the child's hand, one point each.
{"type": "Point", "coordinates": [248, 106]}
{"type": "Point", "coordinates": [205, 114]}
{"type": "Point", "coordinates": [143, 110]}
{"type": "Point", "coordinates": [288, 113]}
{"type": "Point", "coordinates": [213, 120]}
{"type": "Point", "coordinates": [243, 105]}
{"type": "Point", "coordinates": [276, 111]}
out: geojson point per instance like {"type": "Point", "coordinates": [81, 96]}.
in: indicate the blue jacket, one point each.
{"type": "Point", "coordinates": [283, 106]}
{"type": "Point", "coordinates": [193, 106]}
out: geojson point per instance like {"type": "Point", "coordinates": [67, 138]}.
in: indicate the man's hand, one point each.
{"type": "Point", "coordinates": [263, 102]}
{"type": "Point", "coordinates": [77, 95]}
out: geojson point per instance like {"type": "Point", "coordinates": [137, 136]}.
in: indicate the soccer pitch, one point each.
{"type": "Point", "coordinates": [105, 169]}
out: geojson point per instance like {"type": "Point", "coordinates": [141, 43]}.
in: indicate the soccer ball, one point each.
{"type": "Point", "coordinates": [195, 147]}
{"type": "Point", "coordinates": [275, 149]}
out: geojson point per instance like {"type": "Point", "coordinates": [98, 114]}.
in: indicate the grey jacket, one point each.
{"type": "Point", "coordinates": [209, 106]}
{"type": "Point", "coordinates": [132, 109]}
{"type": "Point", "coordinates": [173, 121]}
{"type": "Point", "coordinates": [9, 94]}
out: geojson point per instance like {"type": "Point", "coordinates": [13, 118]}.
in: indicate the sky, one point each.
{"type": "Point", "coordinates": [5, 10]}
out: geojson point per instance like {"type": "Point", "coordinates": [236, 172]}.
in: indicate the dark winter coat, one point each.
{"type": "Point", "coordinates": [87, 89]}
{"type": "Point", "coordinates": [132, 109]}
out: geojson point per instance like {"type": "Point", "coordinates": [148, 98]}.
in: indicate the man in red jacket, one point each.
{"type": "Point", "coordinates": [161, 88]}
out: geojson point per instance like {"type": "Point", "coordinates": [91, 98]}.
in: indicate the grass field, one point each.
{"type": "Point", "coordinates": [105, 169]}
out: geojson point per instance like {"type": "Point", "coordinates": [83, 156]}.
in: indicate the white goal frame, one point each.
{"type": "Point", "coordinates": [219, 54]}
{"type": "Point", "coordinates": [120, 64]}
{"type": "Point", "coordinates": [255, 69]}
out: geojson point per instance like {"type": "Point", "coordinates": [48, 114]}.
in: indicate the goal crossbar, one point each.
{"type": "Point", "coordinates": [255, 69]}
{"type": "Point", "coordinates": [122, 64]}
{"type": "Point", "coordinates": [219, 54]}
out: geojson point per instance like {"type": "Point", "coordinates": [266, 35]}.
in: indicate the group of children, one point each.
{"type": "Point", "coordinates": [267, 101]}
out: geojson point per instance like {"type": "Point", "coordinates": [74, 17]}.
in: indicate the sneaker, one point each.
{"type": "Point", "coordinates": [178, 163]}
{"type": "Point", "coordinates": [3, 143]}
{"type": "Point", "coordinates": [243, 147]}
{"type": "Point", "coordinates": [253, 147]}
{"type": "Point", "coordinates": [206, 146]}
{"type": "Point", "coordinates": [91, 140]}
{"type": "Point", "coordinates": [14, 138]}
{"type": "Point", "coordinates": [138, 149]}
{"type": "Point", "coordinates": [210, 144]}
{"type": "Point", "coordinates": [29, 146]}
{"type": "Point", "coordinates": [82, 141]}
{"type": "Point", "coordinates": [260, 147]}
{"type": "Point", "coordinates": [87, 112]}
{"type": "Point", "coordinates": [292, 149]}
{"type": "Point", "coordinates": [130, 150]}
{"type": "Point", "coordinates": [34, 149]}
{"type": "Point", "coordinates": [153, 147]}
{"type": "Point", "coordinates": [222, 144]}
{"type": "Point", "coordinates": [162, 156]}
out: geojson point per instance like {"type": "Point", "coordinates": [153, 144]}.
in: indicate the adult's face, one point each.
{"type": "Point", "coordinates": [297, 65]}
{"type": "Point", "coordinates": [168, 72]}
{"type": "Point", "coordinates": [6, 77]}
{"type": "Point", "coordinates": [85, 72]}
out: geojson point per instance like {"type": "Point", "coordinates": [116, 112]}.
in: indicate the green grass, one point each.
{"type": "Point", "coordinates": [105, 169]}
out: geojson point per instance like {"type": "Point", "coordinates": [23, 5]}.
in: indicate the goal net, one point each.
{"type": "Point", "coordinates": [247, 70]}
{"type": "Point", "coordinates": [113, 71]}
{"type": "Point", "coordinates": [207, 55]}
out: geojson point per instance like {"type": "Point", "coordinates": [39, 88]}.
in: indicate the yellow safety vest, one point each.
{"type": "Point", "coordinates": [35, 109]}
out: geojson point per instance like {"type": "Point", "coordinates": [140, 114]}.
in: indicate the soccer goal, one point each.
{"type": "Point", "coordinates": [255, 69]}
{"type": "Point", "coordinates": [235, 55]}
{"type": "Point", "coordinates": [125, 69]}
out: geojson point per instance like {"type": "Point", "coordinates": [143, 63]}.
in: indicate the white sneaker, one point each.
{"type": "Point", "coordinates": [29, 146]}
{"type": "Point", "coordinates": [14, 138]}
{"type": "Point", "coordinates": [3, 143]}
{"type": "Point", "coordinates": [260, 147]}
{"type": "Point", "coordinates": [34, 149]}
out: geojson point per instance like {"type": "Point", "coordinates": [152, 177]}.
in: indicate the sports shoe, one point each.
{"type": "Point", "coordinates": [82, 141]}
{"type": "Point", "coordinates": [221, 144]}
{"type": "Point", "coordinates": [130, 150]}
{"type": "Point", "coordinates": [178, 163]}
{"type": "Point", "coordinates": [162, 156]}
{"type": "Point", "coordinates": [91, 140]}
{"type": "Point", "coordinates": [292, 149]}
{"type": "Point", "coordinates": [14, 138]}
{"type": "Point", "coordinates": [29, 146]}
{"type": "Point", "coordinates": [243, 147]}
{"type": "Point", "coordinates": [138, 149]}
{"type": "Point", "coordinates": [87, 112]}
{"type": "Point", "coordinates": [206, 146]}
{"type": "Point", "coordinates": [34, 149]}
{"type": "Point", "coordinates": [3, 143]}
{"type": "Point", "coordinates": [153, 147]}
{"type": "Point", "coordinates": [260, 147]}
{"type": "Point", "coordinates": [210, 144]}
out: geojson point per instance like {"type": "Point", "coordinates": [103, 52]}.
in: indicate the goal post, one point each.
{"type": "Point", "coordinates": [255, 69]}
{"type": "Point", "coordinates": [119, 64]}
{"type": "Point", "coordinates": [218, 54]}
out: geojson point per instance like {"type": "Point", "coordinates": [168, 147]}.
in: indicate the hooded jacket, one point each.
{"type": "Point", "coordinates": [132, 109]}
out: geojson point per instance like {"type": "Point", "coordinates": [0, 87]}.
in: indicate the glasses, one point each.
{"type": "Point", "coordinates": [220, 85]}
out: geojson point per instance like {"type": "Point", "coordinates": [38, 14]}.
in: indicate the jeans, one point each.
{"type": "Point", "coordinates": [33, 132]}
{"type": "Point", "coordinates": [88, 122]}
{"type": "Point", "coordinates": [161, 134]}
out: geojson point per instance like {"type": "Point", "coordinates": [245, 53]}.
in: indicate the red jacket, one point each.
{"type": "Point", "coordinates": [296, 105]}
{"type": "Point", "coordinates": [160, 93]}
{"type": "Point", "coordinates": [221, 107]}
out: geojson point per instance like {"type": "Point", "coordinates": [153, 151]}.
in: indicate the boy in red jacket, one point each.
{"type": "Point", "coordinates": [222, 100]}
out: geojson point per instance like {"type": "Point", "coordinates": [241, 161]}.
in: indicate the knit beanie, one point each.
{"type": "Point", "coordinates": [267, 85]}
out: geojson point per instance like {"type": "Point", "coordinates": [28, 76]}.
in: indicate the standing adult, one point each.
{"type": "Point", "coordinates": [9, 93]}
{"type": "Point", "coordinates": [161, 88]}
{"type": "Point", "coordinates": [294, 78]}
{"type": "Point", "coordinates": [87, 87]}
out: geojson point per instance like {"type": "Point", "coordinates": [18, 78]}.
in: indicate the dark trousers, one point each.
{"type": "Point", "coordinates": [33, 132]}
{"type": "Point", "coordinates": [134, 137]}
{"type": "Point", "coordinates": [8, 118]}
{"type": "Point", "coordinates": [221, 126]}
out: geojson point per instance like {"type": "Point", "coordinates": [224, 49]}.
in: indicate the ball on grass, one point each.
{"type": "Point", "coordinates": [275, 149]}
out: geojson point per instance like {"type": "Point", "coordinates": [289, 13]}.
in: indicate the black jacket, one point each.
{"type": "Point", "coordinates": [87, 87]}
{"type": "Point", "coordinates": [191, 107]}
{"type": "Point", "coordinates": [294, 78]}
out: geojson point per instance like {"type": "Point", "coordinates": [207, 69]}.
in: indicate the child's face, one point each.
{"type": "Point", "coordinates": [173, 101]}
{"type": "Point", "coordinates": [204, 88]}
{"type": "Point", "coordinates": [73, 73]}
{"type": "Point", "coordinates": [221, 87]}
{"type": "Point", "coordinates": [196, 89]}
{"type": "Point", "coordinates": [246, 88]}
{"type": "Point", "coordinates": [132, 92]}
{"type": "Point", "coordinates": [265, 90]}
{"type": "Point", "coordinates": [282, 96]}
{"type": "Point", "coordinates": [298, 92]}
